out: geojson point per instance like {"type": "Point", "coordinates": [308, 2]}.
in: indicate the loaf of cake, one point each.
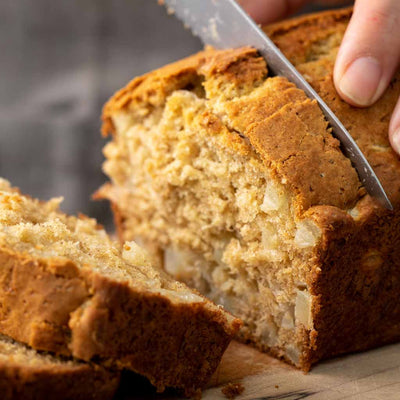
{"type": "Point", "coordinates": [26, 374]}
{"type": "Point", "coordinates": [234, 176]}
{"type": "Point", "coordinates": [67, 288]}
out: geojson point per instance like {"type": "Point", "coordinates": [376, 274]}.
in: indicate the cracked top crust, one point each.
{"type": "Point", "coordinates": [285, 128]}
{"type": "Point", "coordinates": [311, 44]}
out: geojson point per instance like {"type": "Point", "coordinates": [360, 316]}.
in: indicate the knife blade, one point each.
{"type": "Point", "coordinates": [224, 24]}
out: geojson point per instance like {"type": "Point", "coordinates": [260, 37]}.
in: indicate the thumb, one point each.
{"type": "Point", "coordinates": [370, 52]}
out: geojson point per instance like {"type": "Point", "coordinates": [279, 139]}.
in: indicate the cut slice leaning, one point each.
{"type": "Point", "coordinates": [66, 287]}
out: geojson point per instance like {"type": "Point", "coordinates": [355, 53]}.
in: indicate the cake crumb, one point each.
{"type": "Point", "coordinates": [231, 390]}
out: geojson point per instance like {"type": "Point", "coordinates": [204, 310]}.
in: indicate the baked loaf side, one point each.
{"type": "Point", "coordinates": [358, 287]}
{"type": "Point", "coordinates": [28, 374]}
{"type": "Point", "coordinates": [66, 287]}
{"type": "Point", "coordinates": [236, 178]}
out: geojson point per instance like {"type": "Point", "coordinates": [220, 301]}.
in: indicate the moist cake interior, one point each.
{"type": "Point", "coordinates": [185, 177]}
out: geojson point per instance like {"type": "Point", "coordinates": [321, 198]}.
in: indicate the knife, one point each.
{"type": "Point", "coordinates": [224, 24]}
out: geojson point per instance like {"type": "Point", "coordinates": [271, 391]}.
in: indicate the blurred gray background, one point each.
{"type": "Point", "coordinates": [59, 62]}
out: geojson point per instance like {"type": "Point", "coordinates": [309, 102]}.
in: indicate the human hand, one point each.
{"type": "Point", "coordinates": [368, 56]}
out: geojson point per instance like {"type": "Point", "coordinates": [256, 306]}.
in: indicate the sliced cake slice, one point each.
{"type": "Point", "coordinates": [28, 374]}
{"type": "Point", "coordinates": [66, 287]}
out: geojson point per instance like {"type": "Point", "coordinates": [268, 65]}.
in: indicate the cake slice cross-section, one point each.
{"type": "Point", "coordinates": [28, 374]}
{"type": "Point", "coordinates": [67, 288]}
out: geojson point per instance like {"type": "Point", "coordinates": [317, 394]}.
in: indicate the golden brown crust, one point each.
{"type": "Point", "coordinates": [311, 43]}
{"type": "Point", "coordinates": [355, 281]}
{"type": "Point", "coordinates": [284, 136]}
{"type": "Point", "coordinates": [300, 38]}
{"type": "Point", "coordinates": [181, 346]}
{"type": "Point", "coordinates": [34, 306]}
{"type": "Point", "coordinates": [27, 374]}
{"type": "Point", "coordinates": [294, 143]}
{"type": "Point", "coordinates": [151, 89]}
{"type": "Point", "coordinates": [148, 91]}
{"type": "Point", "coordinates": [355, 271]}
{"type": "Point", "coordinates": [54, 306]}
{"type": "Point", "coordinates": [22, 382]}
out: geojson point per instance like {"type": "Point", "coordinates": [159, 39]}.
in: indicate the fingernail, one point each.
{"type": "Point", "coordinates": [396, 140]}
{"type": "Point", "coordinates": [361, 81]}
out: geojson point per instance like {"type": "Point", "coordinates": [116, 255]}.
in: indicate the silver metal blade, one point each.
{"type": "Point", "coordinates": [224, 24]}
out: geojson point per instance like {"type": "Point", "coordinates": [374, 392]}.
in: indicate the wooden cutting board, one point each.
{"type": "Point", "coordinates": [372, 375]}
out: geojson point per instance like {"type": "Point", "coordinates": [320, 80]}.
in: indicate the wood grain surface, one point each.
{"type": "Point", "coordinates": [371, 375]}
